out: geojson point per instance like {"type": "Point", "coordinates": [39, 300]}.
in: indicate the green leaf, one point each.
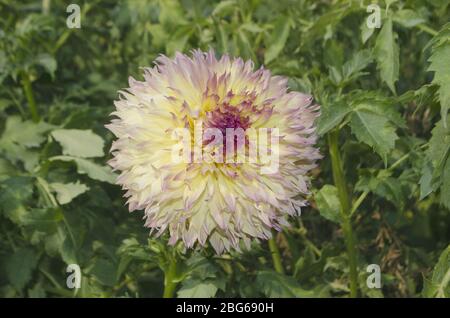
{"type": "Point", "coordinates": [331, 116]}
{"type": "Point", "coordinates": [93, 170]}
{"type": "Point", "coordinates": [79, 143]}
{"type": "Point", "coordinates": [171, 13]}
{"type": "Point", "coordinates": [426, 181]}
{"type": "Point", "coordinates": [43, 220]}
{"type": "Point", "coordinates": [440, 61]}
{"type": "Point", "coordinates": [197, 289]}
{"type": "Point", "coordinates": [445, 188]}
{"type": "Point", "coordinates": [374, 130]}
{"type": "Point", "coordinates": [382, 184]}
{"type": "Point", "coordinates": [356, 64]}
{"type": "Point", "coordinates": [105, 272]}
{"type": "Point", "coordinates": [224, 8]}
{"type": "Point", "coordinates": [439, 284]}
{"type": "Point", "coordinates": [366, 32]}
{"type": "Point", "coordinates": [277, 39]}
{"type": "Point", "coordinates": [48, 62]}
{"type": "Point", "coordinates": [436, 167]}
{"type": "Point", "coordinates": [15, 193]}
{"type": "Point", "coordinates": [387, 55]}
{"type": "Point", "coordinates": [178, 40]}
{"type": "Point", "coordinates": [20, 266]}
{"type": "Point", "coordinates": [26, 133]}
{"type": "Point", "coordinates": [328, 203]}
{"type": "Point", "coordinates": [66, 192]}
{"type": "Point", "coordinates": [275, 285]}
{"type": "Point", "coordinates": [439, 146]}
{"type": "Point", "coordinates": [245, 48]}
{"type": "Point", "coordinates": [408, 18]}
{"type": "Point", "coordinates": [19, 136]}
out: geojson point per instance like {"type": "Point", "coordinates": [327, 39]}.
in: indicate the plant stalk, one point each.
{"type": "Point", "coordinates": [344, 199]}
{"type": "Point", "coordinates": [427, 29]}
{"type": "Point", "coordinates": [276, 256]}
{"type": "Point", "coordinates": [26, 84]}
{"type": "Point", "coordinates": [169, 276]}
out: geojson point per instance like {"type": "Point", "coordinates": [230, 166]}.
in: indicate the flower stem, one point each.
{"type": "Point", "coordinates": [427, 29]}
{"type": "Point", "coordinates": [341, 185]}
{"type": "Point", "coordinates": [26, 84]}
{"type": "Point", "coordinates": [276, 256]}
{"type": "Point", "coordinates": [169, 276]}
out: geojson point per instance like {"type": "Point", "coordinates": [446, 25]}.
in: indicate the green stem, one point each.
{"type": "Point", "coordinates": [26, 84]}
{"type": "Point", "coordinates": [358, 202]}
{"type": "Point", "coordinates": [427, 29]}
{"type": "Point", "coordinates": [394, 165]}
{"type": "Point", "coordinates": [46, 4]}
{"type": "Point", "coordinates": [276, 256]}
{"type": "Point", "coordinates": [66, 34]}
{"type": "Point", "coordinates": [169, 276]}
{"type": "Point", "coordinates": [341, 185]}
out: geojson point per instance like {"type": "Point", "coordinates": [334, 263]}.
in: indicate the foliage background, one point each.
{"type": "Point", "coordinates": [386, 91]}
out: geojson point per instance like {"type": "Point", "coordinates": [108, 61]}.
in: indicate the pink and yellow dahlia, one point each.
{"type": "Point", "coordinates": [201, 199]}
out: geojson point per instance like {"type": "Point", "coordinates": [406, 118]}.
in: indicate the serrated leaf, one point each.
{"type": "Point", "coordinates": [197, 289]}
{"type": "Point", "coordinates": [440, 61]}
{"type": "Point", "coordinates": [439, 284]}
{"type": "Point", "coordinates": [391, 190]}
{"type": "Point", "coordinates": [357, 63]}
{"type": "Point", "coordinates": [275, 285]}
{"type": "Point", "coordinates": [171, 13]}
{"type": "Point", "coordinates": [439, 145]}
{"type": "Point", "coordinates": [48, 62]}
{"type": "Point", "coordinates": [366, 32]}
{"type": "Point", "coordinates": [277, 39]}
{"type": "Point", "coordinates": [374, 130]}
{"type": "Point", "coordinates": [43, 220]}
{"type": "Point", "coordinates": [26, 133]}
{"type": "Point", "coordinates": [245, 48]}
{"type": "Point", "coordinates": [20, 266]}
{"type": "Point", "coordinates": [331, 116]}
{"type": "Point", "coordinates": [387, 54]}
{"type": "Point", "coordinates": [436, 167]}
{"type": "Point", "coordinates": [445, 188]}
{"type": "Point", "coordinates": [93, 170]}
{"type": "Point", "coordinates": [105, 272]}
{"type": "Point", "coordinates": [328, 203]}
{"type": "Point", "coordinates": [19, 136]}
{"type": "Point", "coordinates": [224, 8]}
{"type": "Point", "coordinates": [408, 18]}
{"type": "Point", "coordinates": [426, 181]}
{"type": "Point", "coordinates": [177, 42]}
{"type": "Point", "coordinates": [14, 194]}
{"type": "Point", "coordinates": [66, 192]}
{"type": "Point", "coordinates": [79, 143]}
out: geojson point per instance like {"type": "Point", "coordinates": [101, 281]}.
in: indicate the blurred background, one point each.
{"type": "Point", "coordinates": [384, 90]}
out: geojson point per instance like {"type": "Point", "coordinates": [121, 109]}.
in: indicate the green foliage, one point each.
{"type": "Point", "coordinates": [439, 284]}
{"type": "Point", "coordinates": [20, 266]}
{"type": "Point", "coordinates": [328, 203]}
{"type": "Point", "coordinates": [387, 54]}
{"type": "Point", "coordinates": [79, 143]}
{"type": "Point", "coordinates": [437, 163]}
{"type": "Point", "coordinates": [386, 90]}
{"type": "Point", "coordinates": [440, 60]}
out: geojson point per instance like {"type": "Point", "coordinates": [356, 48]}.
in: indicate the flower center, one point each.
{"type": "Point", "coordinates": [227, 116]}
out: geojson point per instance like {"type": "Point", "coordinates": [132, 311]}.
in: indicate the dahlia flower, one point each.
{"type": "Point", "coordinates": [204, 199]}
